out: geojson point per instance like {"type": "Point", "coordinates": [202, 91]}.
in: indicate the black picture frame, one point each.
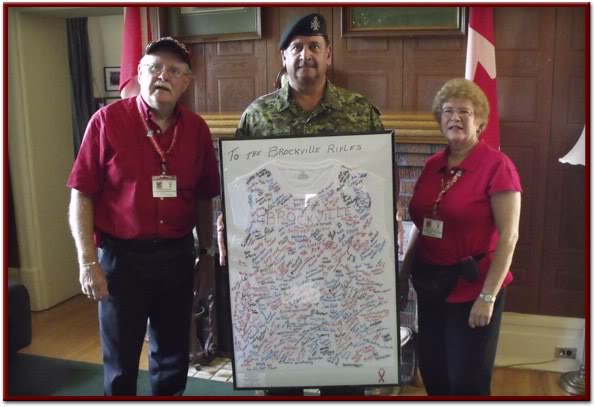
{"type": "Point", "coordinates": [247, 161]}
{"type": "Point", "coordinates": [111, 76]}
{"type": "Point", "coordinates": [403, 21]}
{"type": "Point", "coordinates": [213, 24]}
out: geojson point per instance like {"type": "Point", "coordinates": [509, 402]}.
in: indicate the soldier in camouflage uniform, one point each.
{"type": "Point", "coordinates": [339, 111]}
{"type": "Point", "coordinates": [308, 104]}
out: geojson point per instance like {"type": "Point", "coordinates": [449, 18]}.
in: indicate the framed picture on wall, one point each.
{"type": "Point", "coordinates": [111, 76]}
{"type": "Point", "coordinates": [208, 24]}
{"type": "Point", "coordinates": [402, 21]}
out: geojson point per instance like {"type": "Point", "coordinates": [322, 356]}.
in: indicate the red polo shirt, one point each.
{"type": "Point", "coordinates": [469, 228]}
{"type": "Point", "coordinates": [116, 163]}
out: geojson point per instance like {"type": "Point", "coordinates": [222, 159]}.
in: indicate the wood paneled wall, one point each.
{"type": "Point", "coordinates": [563, 274]}
{"type": "Point", "coordinates": [540, 56]}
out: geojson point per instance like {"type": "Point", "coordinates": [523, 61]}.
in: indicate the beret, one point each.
{"type": "Point", "coordinates": [312, 24]}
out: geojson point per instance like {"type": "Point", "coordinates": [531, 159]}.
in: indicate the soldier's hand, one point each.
{"type": "Point", "coordinates": [220, 240]}
{"type": "Point", "coordinates": [403, 291]}
{"type": "Point", "coordinates": [93, 282]}
{"type": "Point", "coordinates": [203, 293]}
{"type": "Point", "coordinates": [203, 268]}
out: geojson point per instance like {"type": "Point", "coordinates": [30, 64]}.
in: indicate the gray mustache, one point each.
{"type": "Point", "coordinates": [161, 85]}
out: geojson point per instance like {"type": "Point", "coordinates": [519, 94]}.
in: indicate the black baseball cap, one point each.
{"type": "Point", "coordinates": [172, 45]}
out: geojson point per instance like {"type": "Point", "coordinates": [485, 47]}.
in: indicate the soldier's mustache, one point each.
{"type": "Point", "coordinates": [308, 64]}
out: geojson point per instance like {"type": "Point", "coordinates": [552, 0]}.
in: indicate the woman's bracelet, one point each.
{"type": "Point", "coordinates": [88, 265]}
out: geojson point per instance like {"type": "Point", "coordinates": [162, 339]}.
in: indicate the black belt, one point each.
{"type": "Point", "coordinates": [479, 256]}
{"type": "Point", "coordinates": [148, 245]}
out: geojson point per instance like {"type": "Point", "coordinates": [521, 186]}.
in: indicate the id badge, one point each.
{"type": "Point", "coordinates": [432, 228]}
{"type": "Point", "coordinates": [164, 186]}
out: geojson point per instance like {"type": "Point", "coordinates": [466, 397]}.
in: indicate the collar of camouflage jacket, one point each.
{"type": "Point", "coordinates": [329, 99]}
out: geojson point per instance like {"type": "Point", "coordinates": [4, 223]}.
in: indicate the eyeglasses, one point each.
{"type": "Point", "coordinates": [158, 69]}
{"type": "Point", "coordinates": [463, 113]}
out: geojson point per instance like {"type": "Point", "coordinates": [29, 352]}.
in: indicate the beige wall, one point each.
{"type": "Point", "coordinates": [105, 33]}
{"type": "Point", "coordinates": [41, 155]}
{"type": "Point", "coordinates": [40, 144]}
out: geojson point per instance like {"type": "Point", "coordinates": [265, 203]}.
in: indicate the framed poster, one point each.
{"type": "Point", "coordinates": [111, 76]}
{"type": "Point", "coordinates": [399, 21]}
{"type": "Point", "coordinates": [208, 24]}
{"type": "Point", "coordinates": [310, 232]}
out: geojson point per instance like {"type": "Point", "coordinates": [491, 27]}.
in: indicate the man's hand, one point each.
{"type": "Point", "coordinates": [93, 282]}
{"type": "Point", "coordinates": [220, 240]}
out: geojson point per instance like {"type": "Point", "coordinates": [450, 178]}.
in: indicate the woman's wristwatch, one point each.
{"type": "Point", "coordinates": [207, 251]}
{"type": "Point", "coordinates": [489, 298]}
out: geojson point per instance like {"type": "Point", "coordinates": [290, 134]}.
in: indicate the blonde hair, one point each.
{"type": "Point", "coordinates": [463, 89]}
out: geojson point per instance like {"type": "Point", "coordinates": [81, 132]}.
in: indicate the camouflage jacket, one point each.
{"type": "Point", "coordinates": [339, 111]}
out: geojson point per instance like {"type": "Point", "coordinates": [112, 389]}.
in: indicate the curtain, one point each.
{"type": "Point", "coordinates": [79, 59]}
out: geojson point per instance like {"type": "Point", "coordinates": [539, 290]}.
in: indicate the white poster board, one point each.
{"type": "Point", "coordinates": [310, 233]}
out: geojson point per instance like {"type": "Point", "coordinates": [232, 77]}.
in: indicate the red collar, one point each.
{"type": "Point", "coordinates": [145, 109]}
{"type": "Point", "coordinates": [470, 163]}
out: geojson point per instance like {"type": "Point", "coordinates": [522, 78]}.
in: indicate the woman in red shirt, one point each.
{"type": "Point", "coordinates": [466, 208]}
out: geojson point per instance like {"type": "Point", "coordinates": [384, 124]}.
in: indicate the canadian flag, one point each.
{"type": "Point", "coordinates": [135, 37]}
{"type": "Point", "coordinates": [481, 65]}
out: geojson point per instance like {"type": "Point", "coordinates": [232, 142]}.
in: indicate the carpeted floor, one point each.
{"type": "Point", "coordinates": [30, 375]}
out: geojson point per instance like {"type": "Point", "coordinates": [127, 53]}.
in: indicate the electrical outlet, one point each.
{"type": "Point", "coordinates": [564, 353]}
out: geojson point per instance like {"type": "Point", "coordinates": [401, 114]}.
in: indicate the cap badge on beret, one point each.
{"type": "Point", "coordinates": [315, 24]}
{"type": "Point", "coordinates": [310, 25]}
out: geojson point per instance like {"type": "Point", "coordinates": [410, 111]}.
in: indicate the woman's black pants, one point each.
{"type": "Point", "coordinates": [455, 359]}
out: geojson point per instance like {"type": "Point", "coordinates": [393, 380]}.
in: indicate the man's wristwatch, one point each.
{"type": "Point", "coordinates": [489, 298]}
{"type": "Point", "coordinates": [210, 251]}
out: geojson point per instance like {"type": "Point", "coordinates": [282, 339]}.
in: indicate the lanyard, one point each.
{"type": "Point", "coordinates": [445, 187]}
{"type": "Point", "coordinates": [163, 155]}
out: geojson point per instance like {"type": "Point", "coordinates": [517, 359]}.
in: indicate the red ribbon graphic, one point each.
{"type": "Point", "coordinates": [380, 375]}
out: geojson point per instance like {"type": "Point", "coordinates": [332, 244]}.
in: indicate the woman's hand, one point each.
{"type": "Point", "coordinates": [221, 240]}
{"type": "Point", "coordinates": [481, 313]}
{"type": "Point", "coordinates": [405, 270]}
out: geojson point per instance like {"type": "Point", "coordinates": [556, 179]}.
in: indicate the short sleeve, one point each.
{"type": "Point", "coordinates": [505, 177]}
{"type": "Point", "coordinates": [375, 122]}
{"type": "Point", "coordinates": [243, 130]}
{"type": "Point", "coordinates": [86, 175]}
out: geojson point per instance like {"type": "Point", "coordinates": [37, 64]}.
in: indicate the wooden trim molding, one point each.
{"type": "Point", "coordinates": [417, 128]}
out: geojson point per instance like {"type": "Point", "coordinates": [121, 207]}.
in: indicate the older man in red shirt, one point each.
{"type": "Point", "coordinates": [143, 179]}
